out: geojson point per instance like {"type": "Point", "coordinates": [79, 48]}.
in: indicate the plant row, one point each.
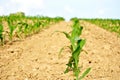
{"type": "Point", "coordinates": [112, 25]}
{"type": "Point", "coordinates": [19, 26]}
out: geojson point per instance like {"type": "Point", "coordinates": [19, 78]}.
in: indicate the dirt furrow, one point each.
{"type": "Point", "coordinates": [36, 57]}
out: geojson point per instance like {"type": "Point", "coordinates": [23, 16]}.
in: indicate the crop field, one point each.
{"type": "Point", "coordinates": [20, 26]}
{"type": "Point", "coordinates": [50, 48]}
{"type": "Point", "coordinates": [112, 25]}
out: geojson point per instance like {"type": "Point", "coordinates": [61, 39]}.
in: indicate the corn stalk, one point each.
{"type": "Point", "coordinates": [1, 34]}
{"type": "Point", "coordinates": [12, 27]}
{"type": "Point", "coordinates": [76, 47]}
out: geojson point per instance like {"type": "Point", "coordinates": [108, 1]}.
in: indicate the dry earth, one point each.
{"type": "Point", "coordinates": [36, 57]}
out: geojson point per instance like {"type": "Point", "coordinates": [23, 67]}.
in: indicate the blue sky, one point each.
{"type": "Point", "coordinates": [64, 8]}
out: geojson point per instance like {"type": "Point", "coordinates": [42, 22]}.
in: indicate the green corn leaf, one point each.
{"type": "Point", "coordinates": [81, 43]}
{"type": "Point", "coordinates": [76, 52]}
{"type": "Point", "coordinates": [67, 70]}
{"type": "Point", "coordinates": [70, 65]}
{"type": "Point", "coordinates": [1, 33]}
{"type": "Point", "coordinates": [67, 35]}
{"type": "Point", "coordinates": [60, 51]}
{"type": "Point", "coordinates": [12, 28]}
{"type": "Point", "coordinates": [1, 28]}
{"type": "Point", "coordinates": [75, 55]}
{"type": "Point", "coordinates": [70, 62]}
{"type": "Point", "coordinates": [77, 72]}
{"type": "Point", "coordinates": [84, 74]}
{"type": "Point", "coordinates": [80, 30]}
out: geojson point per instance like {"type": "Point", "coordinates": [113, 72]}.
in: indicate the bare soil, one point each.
{"type": "Point", "coordinates": [36, 57]}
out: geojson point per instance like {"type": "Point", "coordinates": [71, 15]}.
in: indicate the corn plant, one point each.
{"type": "Point", "coordinates": [20, 25]}
{"type": "Point", "coordinates": [1, 34]}
{"type": "Point", "coordinates": [112, 25]}
{"type": "Point", "coordinates": [11, 28]}
{"type": "Point", "coordinates": [76, 47]}
{"type": "Point", "coordinates": [36, 27]}
{"type": "Point", "coordinates": [26, 28]}
{"type": "Point", "coordinates": [20, 29]}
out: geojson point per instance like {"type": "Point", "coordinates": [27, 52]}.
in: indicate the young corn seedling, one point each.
{"type": "Point", "coordinates": [1, 34]}
{"type": "Point", "coordinates": [26, 28]}
{"type": "Point", "coordinates": [11, 28]}
{"type": "Point", "coordinates": [76, 47]}
{"type": "Point", "coordinates": [19, 31]}
{"type": "Point", "coordinates": [36, 27]}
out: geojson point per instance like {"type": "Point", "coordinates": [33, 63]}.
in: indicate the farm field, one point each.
{"type": "Point", "coordinates": [112, 25]}
{"type": "Point", "coordinates": [36, 56]}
